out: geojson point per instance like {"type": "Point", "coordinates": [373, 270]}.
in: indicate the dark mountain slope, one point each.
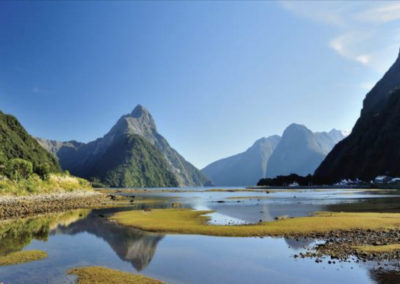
{"type": "Point", "coordinates": [372, 148]}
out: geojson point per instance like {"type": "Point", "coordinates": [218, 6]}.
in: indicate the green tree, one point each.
{"type": "Point", "coordinates": [43, 170]}
{"type": "Point", "coordinates": [17, 169]}
{"type": "Point", "coordinates": [3, 161]}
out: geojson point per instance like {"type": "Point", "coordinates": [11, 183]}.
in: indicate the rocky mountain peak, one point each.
{"type": "Point", "coordinates": [139, 111]}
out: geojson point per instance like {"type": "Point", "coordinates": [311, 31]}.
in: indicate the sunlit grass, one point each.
{"type": "Point", "coordinates": [378, 249]}
{"type": "Point", "coordinates": [187, 221]}
{"type": "Point", "coordinates": [56, 183]}
{"type": "Point", "coordinates": [22, 257]}
{"type": "Point", "coordinates": [99, 275]}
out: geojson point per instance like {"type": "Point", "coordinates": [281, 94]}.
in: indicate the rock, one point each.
{"type": "Point", "coordinates": [281, 217]}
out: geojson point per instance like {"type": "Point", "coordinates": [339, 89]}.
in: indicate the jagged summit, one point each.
{"type": "Point", "coordinates": [139, 111]}
{"type": "Point", "coordinates": [139, 122]}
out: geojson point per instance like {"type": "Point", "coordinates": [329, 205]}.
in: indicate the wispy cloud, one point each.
{"type": "Point", "coordinates": [366, 32]}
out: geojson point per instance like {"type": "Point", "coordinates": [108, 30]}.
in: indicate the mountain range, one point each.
{"type": "Point", "coordinates": [298, 151]}
{"type": "Point", "coordinates": [132, 153]}
{"type": "Point", "coordinates": [372, 148]}
{"type": "Point", "coordinates": [244, 168]}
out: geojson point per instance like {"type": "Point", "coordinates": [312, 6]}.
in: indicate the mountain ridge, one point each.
{"type": "Point", "coordinates": [78, 157]}
{"type": "Point", "coordinates": [233, 170]}
{"type": "Point", "coordinates": [244, 168]}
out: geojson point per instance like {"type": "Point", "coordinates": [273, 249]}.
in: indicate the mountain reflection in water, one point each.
{"type": "Point", "coordinates": [85, 237]}
{"type": "Point", "coordinates": [130, 244]}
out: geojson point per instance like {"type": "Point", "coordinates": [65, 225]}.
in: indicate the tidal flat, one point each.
{"type": "Point", "coordinates": [90, 237]}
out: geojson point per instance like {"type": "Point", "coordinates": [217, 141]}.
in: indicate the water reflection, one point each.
{"type": "Point", "coordinates": [297, 244]}
{"type": "Point", "coordinates": [17, 234]}
{"type": "Point", "coordinates": [87, 238]}
{"type": "Point", "coordinates": [132, 245]}
{"type": "Point", "coordinates": [385, 277]}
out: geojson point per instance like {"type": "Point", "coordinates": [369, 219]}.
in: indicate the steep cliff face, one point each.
{"type": "Point", "coordinates": [245, 168]}
{"type": "Point", "coordinates": [372, 148]}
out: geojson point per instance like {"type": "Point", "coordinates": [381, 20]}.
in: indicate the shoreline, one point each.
{"type": "Point", "coordinates": [30, 205]}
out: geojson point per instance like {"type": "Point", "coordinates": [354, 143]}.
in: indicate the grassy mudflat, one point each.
{"type": "Point", "coordinates": [99, 275]}
{"type": "Point", "coordinates": [187, 221]}
{"type": "Point", "coordinates": [22, 257]}
{"type": "Point", "coordinates": [378, 249]}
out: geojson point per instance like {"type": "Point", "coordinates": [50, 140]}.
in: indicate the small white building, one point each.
{"type": "Point", "coordinates": [395, 180]}
{"type": "Point", "coordinates": [382, 179]}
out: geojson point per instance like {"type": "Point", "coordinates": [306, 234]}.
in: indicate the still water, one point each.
{"type": "Point", "coordinates": [85, 237]}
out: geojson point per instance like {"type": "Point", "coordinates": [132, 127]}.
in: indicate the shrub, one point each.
{"type": "Point", "coordinates": [43, 170]}
{"type": "Point", "coordinates": [33, 183]}
{"type": "Point", "coordinates": [17, 169]}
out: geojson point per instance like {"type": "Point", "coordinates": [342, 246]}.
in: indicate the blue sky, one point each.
{"type": "Point", "coordinates": [216, 76]}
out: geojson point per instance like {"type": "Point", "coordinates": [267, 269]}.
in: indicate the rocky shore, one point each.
{"type": "Point", "coordinates": [354, 245]}
{"type": "Point", "coordinates": [20, 206]}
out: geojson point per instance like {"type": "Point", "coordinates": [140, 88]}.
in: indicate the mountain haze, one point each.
{"type": "Point", "coordinates": [245, 168]}
{"type": "Point", "coordinates": [298, 151]}
{"type": "Point", "coordinates": [372, 148]}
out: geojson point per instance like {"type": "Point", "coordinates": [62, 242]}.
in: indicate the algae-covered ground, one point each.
{"type": "Point", "coordinates": [187, 221]}
{"type": "Point", "coordinates": [22, 257]}
{"type": "Point", "coordinates": [378, 248]}
{"type": "Point", "coordinates": [100, 275]}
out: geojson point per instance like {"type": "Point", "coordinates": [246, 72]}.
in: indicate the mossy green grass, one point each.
{"type": "Point", "coordinates": [187, 221]}
{"type": "Point", "coordinates": [103, 275]}
{"type": "Point", "coordinates": [22, 257]}
{"type": "Point", "coordinates": [378, 249]}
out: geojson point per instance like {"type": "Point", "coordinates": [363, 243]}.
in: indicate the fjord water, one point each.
{"type": "Point", "coordinates": [90, 239]}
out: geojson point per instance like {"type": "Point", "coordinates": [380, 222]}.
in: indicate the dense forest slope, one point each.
{"type": "Point", "coordinates": [15, 142]}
